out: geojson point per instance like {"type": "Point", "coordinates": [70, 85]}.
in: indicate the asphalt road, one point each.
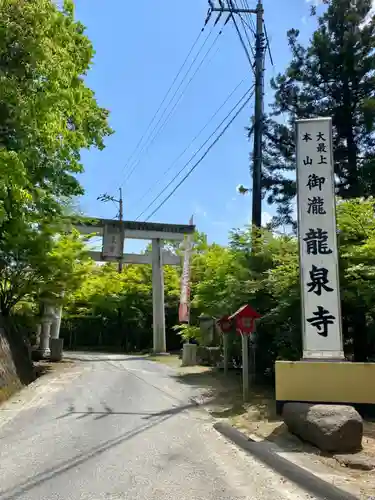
{"type": "Point", "coordinates": [116, 428]}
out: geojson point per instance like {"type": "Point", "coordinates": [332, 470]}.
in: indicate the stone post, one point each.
{"type": "Point", "coordinates": [55, 328]}
{"type": "Point", "coordinates": [44, 349]}
{"type": "Point", "coordinates": [37, 334]}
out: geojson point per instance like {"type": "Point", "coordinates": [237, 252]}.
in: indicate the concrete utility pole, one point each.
{"type": "Point", "coordinates": [258, 119]}
{"type": "Point", "coordinates": [121, 219]}
{"type": "Point", "coordinates": [231, 8]}
{"type": "Point", "coordinates": [105, 198]}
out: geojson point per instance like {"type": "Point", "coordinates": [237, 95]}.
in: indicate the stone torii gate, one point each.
{"type": "Point", "coordinates": [115, 232]}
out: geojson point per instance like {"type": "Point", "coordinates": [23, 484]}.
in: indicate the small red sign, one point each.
{"type": "Point", "coordinates": [225, 324]}
{"type": "Point", "coordinates": [245, 318]}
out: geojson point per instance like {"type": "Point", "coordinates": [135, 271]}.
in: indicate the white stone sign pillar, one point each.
{"type": "Point", "coordinates": [319, 276]}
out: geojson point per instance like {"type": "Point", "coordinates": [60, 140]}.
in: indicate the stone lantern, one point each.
{"type": "Point", "coordinates": [44, 329]}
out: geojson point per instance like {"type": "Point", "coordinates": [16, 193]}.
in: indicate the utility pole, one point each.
{"type": "Point", "coordinates": [105, 198]}
{"type": "Point", "coordinates": [258, 119]}
{"type": "Point", "coordinates": [231, 8]}
{"type": "Point", "coordinates": [122, 236]}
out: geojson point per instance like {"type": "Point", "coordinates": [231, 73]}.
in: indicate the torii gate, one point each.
{"type": "Point", "coordinates": [114, 232]}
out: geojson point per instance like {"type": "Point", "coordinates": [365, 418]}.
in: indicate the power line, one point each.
{"type": "Point", "coordinates": [268, 44]}
{"type": "Point", "coordinates": [155, 132]}
{"type": "Point", "coordinates": [190, 144]}
{"type": "Point", "coordinates": [240, 36]}
{"type": "Point", "coordinates": [206, 152]}
{"type": "Point", "coordinates": [249, 17]}
{"type": "Point", "coordinates": [200, 159]}
{"type": "Point", "coordinates": [165, 98]}
{"type": "Point", "coordinates": [258, 69]}
{"type": "Point", "coordinates": [193, 156]}
{"type": "Point", "coordinates": [244, 26]}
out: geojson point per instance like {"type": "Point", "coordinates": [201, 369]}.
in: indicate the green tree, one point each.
{"type": "Point", "coordinates": [38, 262]}
{"type": "Point", "coordinates": [267, 277]}
{"type": "Point", "coordinates": [47, 113]}
{"type": "Point", "coordinates": [47, 116]}
{"type": "Point", "coordinates": [224, 278]}
{"type": "Point", "coordinates": [92, 309]}
{"type": "Point", "coordinates": [332, 76]}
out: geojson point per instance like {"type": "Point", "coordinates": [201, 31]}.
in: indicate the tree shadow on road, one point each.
{"type": "Point", "coordinates": [223, 393]}
{"type": "Point", "coordinates": [66, 465]}
{"type": "Point", "coordinates": [107, 411]}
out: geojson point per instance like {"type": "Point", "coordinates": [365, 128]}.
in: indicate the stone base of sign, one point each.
{"type": "Point", "coordinates": [333, 382]}
{"type": "Point", "coordinates": [323, 356]}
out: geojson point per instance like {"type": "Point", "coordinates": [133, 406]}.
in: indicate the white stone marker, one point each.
{"type": "Point", "coordinates": [320, 291]}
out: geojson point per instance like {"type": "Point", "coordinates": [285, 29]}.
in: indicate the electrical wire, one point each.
{"type": "Point", "coordinates": [190, 144]}
{"type": "Point", "coordinates": [247, 24]}
{"type": "Point", "coordinates": [164, 99]}
{"type": "Point", "coordinates": [249, 16]}
{"type": "Point", "coordinates": [192, 157]}
{"type": "Point", "coordinates": [268, 44]}
{"type": "Point", "coordinates": [248, 95]}
{"type": "Point", "coordinates": [155, 132]}
{"type": "Point", "coordinates": [200, 159]}
{"type": "Point", "coordinates": [240, 37]}
{"type": "Point", "coordinates": [234, 3]}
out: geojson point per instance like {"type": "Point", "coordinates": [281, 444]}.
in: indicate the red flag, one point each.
{"type": "Point", "coordinates": [184, 309]}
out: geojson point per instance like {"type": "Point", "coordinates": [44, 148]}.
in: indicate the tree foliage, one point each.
{"type": "Point", "coordinates": [223, 279]}
{"type": "Point", "coordinates": [47, 116]}
{"type": "Point", "coordinates": [268, 279]}
{"type": "Point", "coordinates": [332, 76]}
{"type": "Point", "coordinates": [36, 263]}
{"type": "Point", "coordinates": [92, 310]}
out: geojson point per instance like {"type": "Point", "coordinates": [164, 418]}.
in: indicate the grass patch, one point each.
{"type": "Point", "coordinates": [222, 394]}
{"type": "Point", "coordinates": [7, 391]}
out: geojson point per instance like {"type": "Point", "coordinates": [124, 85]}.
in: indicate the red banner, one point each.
{"type": "Point", "coordinates": [184, 309]}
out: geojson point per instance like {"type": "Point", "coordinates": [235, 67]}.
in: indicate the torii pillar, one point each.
{"type": "Point", "coordinates": [158, 307]}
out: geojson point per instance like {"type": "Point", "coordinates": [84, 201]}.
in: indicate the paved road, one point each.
{"type": "Point", "coordinates": [116, 428]}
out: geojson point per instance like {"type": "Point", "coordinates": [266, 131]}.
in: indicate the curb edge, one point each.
{"type": "Point", "coordinates": [294, 473]}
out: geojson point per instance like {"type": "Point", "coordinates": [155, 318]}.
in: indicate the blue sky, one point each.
{"type": "Point", "coordinates": [139, 48]}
